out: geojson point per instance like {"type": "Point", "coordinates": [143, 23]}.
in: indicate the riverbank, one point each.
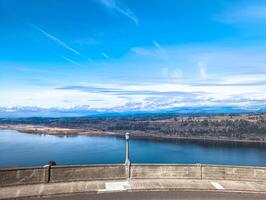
{"type": "Point", "coordinates": [38, 129]}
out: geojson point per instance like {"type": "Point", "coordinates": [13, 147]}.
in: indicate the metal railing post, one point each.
{"type": "Point", "coordinates": [127, 161]}
{"type": "Point", "coordinates": [50, 164]}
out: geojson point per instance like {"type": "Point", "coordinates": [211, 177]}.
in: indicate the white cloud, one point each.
{"type": "Point", "coordinates": [244, 79]}
{"type": "Point", "coordinates": [115, 5]}
{"type": "Point", "coordinates": [203, 71]}
{"type": "Point", "coordinates": [142, 96]}
{"type": "Point", "coordinates": [53, 98]}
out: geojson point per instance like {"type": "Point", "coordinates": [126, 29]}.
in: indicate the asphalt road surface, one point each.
{"type": "Point", "coordinates": [159, 195]}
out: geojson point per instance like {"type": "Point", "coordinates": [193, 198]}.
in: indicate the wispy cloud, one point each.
{"type": "Point", "coordinates": [172, 74]}
{"type": "Point", "coordinates": [156, 44]}
{"type": "Point", "coordinates": [202, 69]}
{"type": "Point", "coordinates": [177, 73]}
{"type": "Point", "coordinates": [122, 9]}
{"type": "Point", "coordinates": [62, 44]}
{"type": "Point", "coordinates": [56, 40]}
{"type": "Point", "coordinates": [70, 60]}
{"type": "Point", "coordinates": [257, 12]}
{"type": "Point", "coordinates": [203, 62]}
{"type": "Point", "coordinates": [106, 56]}
{"type": "Point", "coordinates": [155, 51]}
{"type": "Point", "coordinates": [128, 91]}
{"type": "Point", "coordinates": [254, 13]}
{"type": "Point", "coordinates": [160, 50]}
{"type": "Point", "coordinates": [91, 60]}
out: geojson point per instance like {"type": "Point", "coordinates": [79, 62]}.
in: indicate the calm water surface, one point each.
{"type": "Point", "coordinates": [21, 149]}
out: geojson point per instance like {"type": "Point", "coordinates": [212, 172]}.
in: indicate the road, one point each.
{"type": "Point", "coordinates": [158, 195]}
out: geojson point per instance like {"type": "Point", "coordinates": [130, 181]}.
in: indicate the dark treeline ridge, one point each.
{"type": "Point", "coordinates": [248, 126]}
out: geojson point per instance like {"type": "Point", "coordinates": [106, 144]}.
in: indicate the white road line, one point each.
{"type": "Point", "coordinates": [217, 186]}
{"type": "Point", "coordinates": [115, 186]}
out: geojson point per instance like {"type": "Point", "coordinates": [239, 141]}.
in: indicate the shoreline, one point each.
{"type": "Point", "coordinates": [60, 132]}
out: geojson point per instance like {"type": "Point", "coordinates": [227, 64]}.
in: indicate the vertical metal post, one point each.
{"type": "Point", "coordinates": [50, 164]}
{"type": "Point", "coordinates": [127, 162]}
{"type": "Point", "coordinates": [49, 174]}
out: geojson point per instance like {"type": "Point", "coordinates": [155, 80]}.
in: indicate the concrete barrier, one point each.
{"type": "Point", "coordinates": [34, 175]}
{"type": "Point", "coordinates": [219, 172]}
{"type": "Point", "coordinates": [165, 171]}
{"type": "Point", "coordinates": [87, 173]}
{"type": "Point", "coordinates": [20, 176]}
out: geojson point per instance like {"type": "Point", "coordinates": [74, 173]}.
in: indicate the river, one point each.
{"type": "Point", "coordinates": [22, 149]}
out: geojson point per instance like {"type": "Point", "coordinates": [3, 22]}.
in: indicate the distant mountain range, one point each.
{"type": "Point", "coordinates": [18, 112]}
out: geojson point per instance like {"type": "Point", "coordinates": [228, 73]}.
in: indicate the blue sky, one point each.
{"type": "Point", "coordinates": [119, 55]}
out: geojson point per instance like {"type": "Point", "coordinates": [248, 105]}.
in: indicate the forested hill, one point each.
{"type": "Point", "coordinates": [236, 126]}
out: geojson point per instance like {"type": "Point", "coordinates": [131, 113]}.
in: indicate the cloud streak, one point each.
{"type": "Point", "coordinates": [106, 56]}
{"type": "Point", "coordinates": [56, 40]}
{"type": "Point", "coordinates": [156, 51]}
{"type": "Point", "coordinates": [115, 5]}
{"type": "Point", "coordinates": [71, 61]}
{"type": "Point", "coordinates": [62, 44]}
{"type": "Point", "coordinates": [128, 91]}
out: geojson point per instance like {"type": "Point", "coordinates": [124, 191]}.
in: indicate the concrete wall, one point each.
{"type": "Point", "coordinates": [16, 176]}
{"type": "Point", "coordinates": [19, 176]}
{"type": "Point", "coordinates": [87, 173]}
{"type": "Point", "coordinates": [220, 172]}
{"type": "Point", "coordinates": [165, 171]}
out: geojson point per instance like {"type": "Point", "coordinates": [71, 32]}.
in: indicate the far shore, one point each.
{"type": "Point", "coordinates": [33, 129]}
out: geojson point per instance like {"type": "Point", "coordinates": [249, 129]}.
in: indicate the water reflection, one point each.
{"type": "Point", "coordinates": [21, 149]}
